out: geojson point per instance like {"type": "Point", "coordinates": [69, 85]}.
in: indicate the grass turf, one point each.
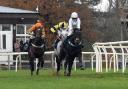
{"type": "Point", "coordinates": [80, 79]}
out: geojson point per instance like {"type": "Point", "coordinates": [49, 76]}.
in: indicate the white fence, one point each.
{"type": "Point", "coordinates": [53, 61]}
{"type": "Point", "coordinates": [111, 52]}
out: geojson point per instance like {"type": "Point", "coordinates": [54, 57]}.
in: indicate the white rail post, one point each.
{"type": "Point", "coordinates": [82, 58]}
{"type": "Point", "coordinates": [100, 59]}
{"type": "Point", "coordinates": [110, 63]}
{"type": "Point", "coordinates": [8, 62]}
{"type": "Point", "coordinates": [16, 65]}
{"type": "Point", "coordinates": [126, 57]}
{"type": "Point", "coordinates": [97, 57]}
{"type": "Point", "coordinates": [106, 57]}
{"type": "Point", "coordinates": [92, 64]}
{"type": "Point", "coordinates": [123, 64]}
{"type": "Point", "coordinates": [114, 57]}
{"type": "Point", "coordinates": [20, 64]}
{"type": "Point", "coordinates": [117, 62]}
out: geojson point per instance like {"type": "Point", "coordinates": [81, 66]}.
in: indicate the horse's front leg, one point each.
{"type": "Point", "coordinates": [58, 61]}
{"type": "Point", "coordinates": [31, 61]}
{"type": "Point", "coordinates": [65, 68]}
{"type": "Point", "coordinates": [66, 65]}
{"type": "Point", "coordinates": [40, 64]}
{"type": "Point", "coordinates": [80, 61]}
{"type": "Point", "coordinates": [70, 63]}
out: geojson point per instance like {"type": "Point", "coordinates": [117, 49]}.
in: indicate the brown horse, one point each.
{"type": "Point", "coordinates": [36, 50]}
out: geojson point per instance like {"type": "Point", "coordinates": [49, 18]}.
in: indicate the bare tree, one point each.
{"type": "Point", "coordinates": [108, 24]}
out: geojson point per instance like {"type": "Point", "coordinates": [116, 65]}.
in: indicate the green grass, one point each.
{"type": "Point", "coordinates": [47, 80]}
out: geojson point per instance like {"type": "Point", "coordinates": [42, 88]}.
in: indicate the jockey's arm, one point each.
{"type": "Point", "coordinates": [70, 30]}
{"type": "Point", "coordinates": [79, 23]}
{"type": "Point", "coordinates": [31, 29]}
{"type": "Point", "coordinates": [54, 29]}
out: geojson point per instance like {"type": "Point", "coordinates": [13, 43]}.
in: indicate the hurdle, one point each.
{"type": "Point", "coordinates": [115, 50]}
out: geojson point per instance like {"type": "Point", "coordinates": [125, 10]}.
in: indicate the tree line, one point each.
{"type": "Point", "coordinates": [96, 26]}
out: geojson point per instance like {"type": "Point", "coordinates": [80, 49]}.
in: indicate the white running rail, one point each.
{"type": "Point", "coordinates": [53, 60]}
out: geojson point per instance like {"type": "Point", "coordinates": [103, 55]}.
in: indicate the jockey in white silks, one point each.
{"type": "Point", "coordinates": [74, 22]}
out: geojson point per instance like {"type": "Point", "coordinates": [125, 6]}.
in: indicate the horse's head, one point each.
{"type": "Point", "coordinates": [38, 32]}
{"type": "Point", "coordinates": [38, 40]}
{"type": "Point", "coordinates": [75, 39]}
{"type": "Point", "coordinates": [63, 33]}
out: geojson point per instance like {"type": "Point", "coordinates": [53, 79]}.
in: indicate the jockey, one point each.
{"type": "Point", "coordinates": [57, 30]}
{"type": "Point", "coordinates": [38, 25]}
{"type": "Point", "coordinates": [74, 22]}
